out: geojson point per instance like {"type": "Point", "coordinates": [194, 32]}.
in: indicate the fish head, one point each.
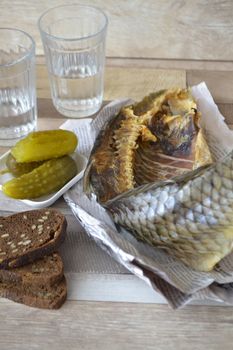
{"type": "Point", "coordinates": [176, 123]}
{"type": "Point", "coordinates": [175, 133]}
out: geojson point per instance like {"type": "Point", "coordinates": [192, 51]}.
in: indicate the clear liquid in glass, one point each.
{"type": "Point", "coordinates": [17, 116]}
{"type": "Point", "coordinates": [79, 95]}
{"type": "Point", "coordinates": [76, 80]}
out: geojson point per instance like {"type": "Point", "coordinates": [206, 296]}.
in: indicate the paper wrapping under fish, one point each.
{"type": "Point", "coordinates": [155, 139]}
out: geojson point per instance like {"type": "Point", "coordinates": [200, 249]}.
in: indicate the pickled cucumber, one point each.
{"type": "Point", "coordinates": [18, 169]}
{"type": "Point", "coordinates": [44, 145]}
{"type": "Point", "coordinates": [45, 179]}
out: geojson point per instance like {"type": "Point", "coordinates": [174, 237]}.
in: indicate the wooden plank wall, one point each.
{"type": "Point", "coordinates": [171, 29]}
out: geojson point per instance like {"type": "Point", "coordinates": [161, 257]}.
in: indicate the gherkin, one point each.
{"type": "Point", "coordinates": [45, 179]}
{"type": "Point", "coordinates": [44, 145]}
{"type": "Point", "coordinates": [18, 169]}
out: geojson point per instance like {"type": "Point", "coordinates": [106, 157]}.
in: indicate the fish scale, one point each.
{"type": "Point", "coordinates": [194, 225]}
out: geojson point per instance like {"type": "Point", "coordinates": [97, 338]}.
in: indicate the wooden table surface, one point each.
{"type": "Point", "coordinates": [151, 45]}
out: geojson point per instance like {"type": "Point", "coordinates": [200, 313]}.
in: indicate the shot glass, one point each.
{"type": "Point", "coordinates": [18, 113]}
{"type": "Point", "coordinates": [73, 37]}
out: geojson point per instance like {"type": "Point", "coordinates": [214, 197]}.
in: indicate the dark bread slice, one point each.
{"type": "Point", "coordinates": [45, 298]}
{"type": "Point", "coordinates": [45, 271]}
{"type": "Point", "coordinates": [27, 236]}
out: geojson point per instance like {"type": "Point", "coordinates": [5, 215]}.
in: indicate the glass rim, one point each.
{"type": "Point", "coordinates": [29, 52]}
{"type": "Point", "coordinates": [97, 9]}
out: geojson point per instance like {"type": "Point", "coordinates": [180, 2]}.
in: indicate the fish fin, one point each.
{"type": "Point", "coordinates": [192, 174]}
{"type": "Point", "coordinates": [181, 179]}
{"type": "Point", "coordinates": [202, 152]}
{"type": "Point", "coordinates": [201, 262]}
{"type": "Point", "coordinates": [137, 190]}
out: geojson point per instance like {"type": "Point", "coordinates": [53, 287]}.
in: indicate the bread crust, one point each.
{"type": "Point", "coordinates": [45, 271]}
{"type": "Point", "coordinates": [44, 298]}
{"type": "Point", "coordinates": [15, 251]}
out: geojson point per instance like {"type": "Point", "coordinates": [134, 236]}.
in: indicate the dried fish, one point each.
{"type": "Point", "coordinates": [155, 139]}
{"type": "Point", "coordinates": [190, 216]}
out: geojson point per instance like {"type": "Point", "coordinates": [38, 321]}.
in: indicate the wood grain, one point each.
{"type": "Point", "coordinates": [172, 29]}
{"type": "Point", "coordinates": [136, 83]}
{"type": "Point", "coordinates": [105, 325]}
{"type": "Point", "coordinates": [124, 81]}
{"type": "Point", "coordinates": [157, 63]}
{"type": "Point", "coordinates": [219, 83]}
{"type": "Point", "coordinates": [92, 325]}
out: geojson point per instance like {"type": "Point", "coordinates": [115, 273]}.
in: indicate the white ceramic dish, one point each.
{"type": "Point", "coordinates": [48, 200]}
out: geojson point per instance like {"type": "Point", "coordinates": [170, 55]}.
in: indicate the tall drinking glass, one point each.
{"type": "Point", "coordinates": [18, 114]}
{"type": "Point", "coordinates": [73, 37]}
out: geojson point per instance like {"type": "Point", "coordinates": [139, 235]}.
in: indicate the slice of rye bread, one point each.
{"type": "Point", "coordinates": [27, 236]}
{"type": "Point", "coordinates": [45, 271]}
{"type": "Point", "coordinates": [45, 298]}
